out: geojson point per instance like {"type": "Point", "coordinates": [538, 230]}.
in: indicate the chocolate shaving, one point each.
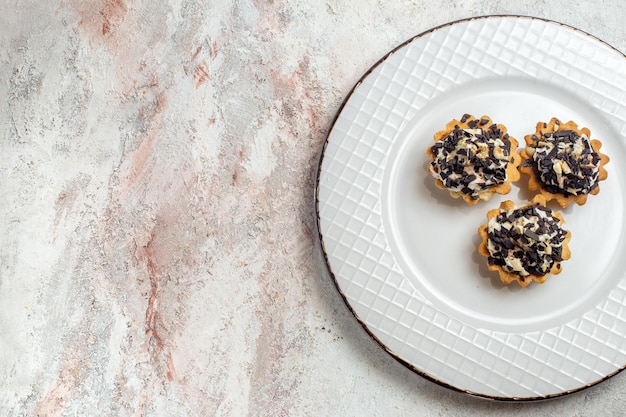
{"type": "Point", "coordinates": [465, 160]}
{"type": "Point", "coordinates": [566, 164]}
{"type": "Point", "coordinates": [540, 230]}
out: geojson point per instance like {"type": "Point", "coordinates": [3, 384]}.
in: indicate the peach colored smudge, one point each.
{"type": "Point", "coordinates": [112, 13]}
{"type": "Point", "coordinates": [298, 91]}
{"type": "Point", "coordinates": [195, 54]}
{"type": "Point", "coordinates": [299, 88]}
{"type": "Point", "coordinates": [140, 156]}
{"type": "Point", "coordinates": [70, 375]}
{"type": "Point", "coordinates": [165, 250]}
{"type": "Point", "coordinates": [200, 71]}
{"type": "Point", "coordinates": [128, 33]}
{"type": "Point", "coordinates": [201, 74]}
{"type": "Point", "coordinates": [270, 20]}
{"type": "Point", "coordinates": [154, 323]}
{"type": "Point", "coordinates": [101, 21]}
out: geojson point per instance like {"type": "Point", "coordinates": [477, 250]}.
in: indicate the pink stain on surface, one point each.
{"type": "Point", "coordinates": [201, 74]}
{"type": "Point", "coordinates": [298, 91]}
{"type": "Point", "coordinates": [129, 33]}
{"type": "Point", "coordinates": [54, 402]}
{"type": "Point", "coordinates": [164, 255]}
{"type": "Point", "coordinates": [159, 253]}
{"type": "Point", "coordinates": [112, 14]}
{"type": "Point", "coordinates": [135, 164]}
{"type": "Point", "coordinates": [101, 19]}
{"type": "Point", "coordinates": [198, 67]}
{"type": "Point", "coordinates": [154, 324]}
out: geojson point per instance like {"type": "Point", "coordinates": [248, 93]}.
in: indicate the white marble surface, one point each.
{"type": "Point", "coordinates": [158, 249]}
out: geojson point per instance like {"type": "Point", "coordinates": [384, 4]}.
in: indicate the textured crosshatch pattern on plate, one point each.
{"type": "Point", "coordinates": [484, 362]}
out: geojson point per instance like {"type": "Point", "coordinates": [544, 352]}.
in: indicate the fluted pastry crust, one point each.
{"type": "Point", "coordinates": [528, 249]}
{"type": "Point", "coordinates": [474, 159]}
{"type": "Point", "coordinates": [563, 163]}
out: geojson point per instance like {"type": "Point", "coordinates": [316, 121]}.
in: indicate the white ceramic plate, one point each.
{"type": "Point", "coordinates": [403, 253]}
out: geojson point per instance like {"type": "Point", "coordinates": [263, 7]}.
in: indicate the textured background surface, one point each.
{"type": "Point", "coordinates": [158, 250]}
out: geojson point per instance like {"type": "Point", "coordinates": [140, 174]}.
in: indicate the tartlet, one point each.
{"type": "Point", "coordinates": [563, 163]}
{"type": "Point", "coordinates": [526, 243]}
{"type": "Point", "coordinates": [474, 159]}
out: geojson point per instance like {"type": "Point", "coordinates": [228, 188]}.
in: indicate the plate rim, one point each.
{"type": "Point", "coordinates": [320, 235]}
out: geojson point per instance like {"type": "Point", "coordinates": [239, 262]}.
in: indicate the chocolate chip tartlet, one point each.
{"type": "Point", "coordinates": [563, 163]}
{"type": "Point", "coordinates": [524, 244]}
{"type": "Point", "coordinates": [474, 159]}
